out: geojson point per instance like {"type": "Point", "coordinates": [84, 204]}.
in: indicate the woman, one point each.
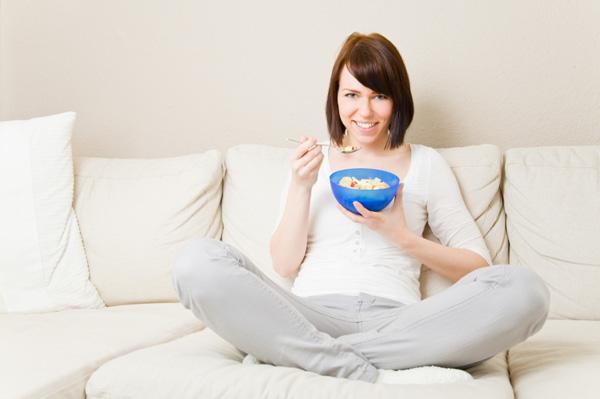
{"type": "Point", "coordinates": [354, 310]}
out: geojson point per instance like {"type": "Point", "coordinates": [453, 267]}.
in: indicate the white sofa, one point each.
{"type": "Point", "coordinates": [536, 207]}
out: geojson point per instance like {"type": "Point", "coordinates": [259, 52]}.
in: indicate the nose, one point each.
{"type": "Point", "coordinates": [364, 108]}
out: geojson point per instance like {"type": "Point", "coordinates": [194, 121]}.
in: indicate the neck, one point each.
{"type": "Point", "coordinates": [374, 150]}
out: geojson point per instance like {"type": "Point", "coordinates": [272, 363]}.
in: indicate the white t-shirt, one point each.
{"type": "Point", "coordinates": [345, 257]}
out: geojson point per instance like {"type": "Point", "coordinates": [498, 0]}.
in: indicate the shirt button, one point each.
{"type": "Point", "coordinates": [357, 233]}
{"type": "Point", "coordinates": [357, 242]}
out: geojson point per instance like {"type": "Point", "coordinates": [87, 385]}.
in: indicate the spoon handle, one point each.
{"type": "Point", "coordinates": [299, 142]}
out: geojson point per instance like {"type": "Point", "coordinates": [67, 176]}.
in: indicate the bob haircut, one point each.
{"type": "Point", "coordinates": [376, 63]}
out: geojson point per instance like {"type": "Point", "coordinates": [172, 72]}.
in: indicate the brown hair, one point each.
{"type": "Point", "coordinates": [376, 63]}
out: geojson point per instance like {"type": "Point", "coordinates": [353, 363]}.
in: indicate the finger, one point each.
{"type": "Point", "coordinates": [362, 210]}
{"type": "Point", "coordinates": [315, 163]}
{"type": "Point", "coordinates": [303, 148]}
{"type": "Point", "coordinates": [398, 198]}
{"type": "Point", "coordinates": [308, 138]}
{"type": "Point", "coordinates": [400, 190]}
{"type": "Point", "coordinates": [313, 143]}
{"type": "Point", "coordinates": [306, 158]}
{"type": "Point", "coordinates": [352, 216]}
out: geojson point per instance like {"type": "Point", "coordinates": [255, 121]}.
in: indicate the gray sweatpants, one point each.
{"type": "Point", "coordinates": [485, 312]}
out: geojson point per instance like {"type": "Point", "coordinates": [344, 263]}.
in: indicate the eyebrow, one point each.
{"type": "Point", "coordinates": [358, 91]}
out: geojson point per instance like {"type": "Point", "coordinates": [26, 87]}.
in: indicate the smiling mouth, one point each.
{"type": "Point", "coordinates": [365, 125]}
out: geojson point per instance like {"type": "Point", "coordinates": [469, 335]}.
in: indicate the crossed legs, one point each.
{"type": "Point", "coordinates": [484, 313]}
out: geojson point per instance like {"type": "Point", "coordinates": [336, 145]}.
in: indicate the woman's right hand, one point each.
{"type": "Point", "coordinates": [306, 161]}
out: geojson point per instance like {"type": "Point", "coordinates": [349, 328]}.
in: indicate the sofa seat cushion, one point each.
{"type": "Point", "coordinates": [52, 355]}
{"type": "Point", "coordinates": [202, 365]}
{"type": "Point", "coordinates": [561, 361]}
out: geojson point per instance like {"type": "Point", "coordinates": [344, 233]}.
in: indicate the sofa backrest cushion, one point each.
{"type": "Point", "coordinates": [252, 196]}
{"type": "Point", "coordinates": [254, 177]}
{"type": "Point", "coordinates": [478, 170]}
{"type": "Point", "coordinates": [136, 213]}
{"type": "Point", "coordinates": [552, 197]}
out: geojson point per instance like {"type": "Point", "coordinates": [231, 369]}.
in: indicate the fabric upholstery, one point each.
{"type": "Point", "coordinates": [202, 365]}
{"type": "Point", "coordinates": [135, 214]}
{"type": "Point", "coordinates": [561, 361]}
{"type": "Point", "coordinates": [253, 181]}
{"type": "Point", "coordinates": [478, 170]}
{"type": "Point", "coordinates": [42, 261]}
{"type": "Point", "coordinates": [552, 197]}
{"type": "Point", "coordinates": [52, 355]}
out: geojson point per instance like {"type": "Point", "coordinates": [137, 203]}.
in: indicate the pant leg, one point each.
{"type": "Point", "coordinates": [236, 300]}
{"type": "Point", "coordinates": [486, 312]}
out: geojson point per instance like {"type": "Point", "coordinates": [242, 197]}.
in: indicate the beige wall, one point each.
{"type": "Point", "coordinates": [3, 96]}
{"type": "Point", "coordinates": [159, 78]}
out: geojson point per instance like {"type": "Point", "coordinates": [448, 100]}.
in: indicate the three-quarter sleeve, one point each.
{"type": "Point", "coordinates": [448, 216]}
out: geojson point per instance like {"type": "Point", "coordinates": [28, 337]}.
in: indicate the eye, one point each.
{"type": "Point", "coordinates": [381, 97]}
{"type": "Point", "coordinates": [350, 95]}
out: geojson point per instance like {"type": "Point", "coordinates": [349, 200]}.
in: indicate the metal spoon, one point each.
{"type": "Point", "coordinates": [349, 149]}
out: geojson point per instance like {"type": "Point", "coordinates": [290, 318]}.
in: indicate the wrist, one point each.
{"type": "Point", "coordinates": [300, 190]}
{"type": "Point", "coordinates": [405, 239]}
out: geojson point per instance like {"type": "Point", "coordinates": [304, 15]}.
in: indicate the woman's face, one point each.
{"type": "Point", "coordinates": [365, 113]}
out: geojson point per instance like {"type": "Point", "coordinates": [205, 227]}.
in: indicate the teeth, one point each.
{"type": "Point", "coordinates": [365, 125]}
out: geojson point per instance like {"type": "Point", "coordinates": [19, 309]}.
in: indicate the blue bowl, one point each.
{"type": "Point", "coordinates": [373, 200]}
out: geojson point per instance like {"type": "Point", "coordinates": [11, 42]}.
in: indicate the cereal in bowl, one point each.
{"type": "Point", "coordinates": [362, 184]}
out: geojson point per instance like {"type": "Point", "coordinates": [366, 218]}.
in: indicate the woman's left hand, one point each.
{"type": "Point", "coordinates": [391, 225]}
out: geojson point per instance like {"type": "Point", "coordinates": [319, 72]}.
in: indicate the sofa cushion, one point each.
{"type": "Point", "coordinates": [202, 365]}
{"type": "Point", "coordinates": [51, 355]}
{"type": "Point", "coordinates": [561, 361]}
{"type": "Point", "coordinates": [136, 213]}
{"type": "Point", "coordinates": [552, 199]}
{"type": "Point", "coordinates": [478, 170]}
{"type": "Point", "coordinates": [250, 209]}
{"type": "Point", "coordinates": [255, 175]}
{"type": "Point", "coordinates": [42, 261]}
